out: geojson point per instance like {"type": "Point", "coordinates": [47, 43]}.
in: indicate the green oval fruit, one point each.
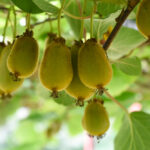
{"type": "Point", "coordinates": [6, 83]}
{"type": "Point", "coordinates": [76, 88]}
{"type": "Point", "coordinates": [23, 58]}
{"type": "Point", "coordinates": [50, 38]}
{"type": "Point", "coordinates": [94, 68]}
{"type": "Point", "coordinates": [142, 17]}
{"type": "Point", "coordinates": [95, 120]}
{"type": "Point", "coordinates": [56, 68]}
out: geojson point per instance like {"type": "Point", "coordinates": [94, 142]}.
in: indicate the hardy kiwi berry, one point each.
{"type": "Point", "coordinates": [143, 18]}
{"type": "Point", "coordinates": [56, 67]}
{"type": "Point", "coordinates": [23, 58]}
{"type": "Point", "coordinates": [6, 83]}
{"type": "Point", "coordinates": [95, 120]}
{"type": "Point", "coordinates": [76, 88]}
{"type": "Point", "coordinates": [93, 65]}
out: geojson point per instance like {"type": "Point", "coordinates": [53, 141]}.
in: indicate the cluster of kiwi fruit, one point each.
{"type": "Point", "coordinates": [81, 70]}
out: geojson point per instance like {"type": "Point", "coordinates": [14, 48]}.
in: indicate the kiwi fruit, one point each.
{"type": "Point", "coordinates": [23, 58]}
{"type": "Point", "coordinates": [76, 88]}
{"type": "Point", "coordinates": [95, 120]}
{"type": "Point", "coordinates": [143, 19]}
{"type": "Point", "coordinates": [56, 68]}
{"type": "Point", "coordinates": [94, 68]}
{"type": "Point", "coordinates": [6, 83]}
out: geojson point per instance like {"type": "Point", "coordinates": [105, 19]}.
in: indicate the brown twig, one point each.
{"type": "Point", "coordinates": [44, 21]}
{"type": "Point", "coordinates": [120, 20]}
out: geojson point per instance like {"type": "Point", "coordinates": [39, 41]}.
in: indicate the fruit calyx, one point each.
{"type": "Point", "coordinates": [60, 40]}
{"type": "Point", "coordinates": [52, 35]}
{"type": "Point", "coordinates": [28, 33]}
{"type": "Point", "coordinates": [54, 93]}
{"type": "Point", "coordinates": [15, 76]}
{"type": "Point", "coordinates": [80, 102]}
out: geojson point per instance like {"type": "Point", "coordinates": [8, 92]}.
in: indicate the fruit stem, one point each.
{"type": "Point", "coordinates": [6, 24]}
{"type": "Point", "coordinates": [28, 21]}
{"type": "Point", "coordinates": [82, 21]}
{"type": "Point", "coordinates": [122, 107]}
{"type": "Point", "coordinates": [98, 31]}
{"type": "Point", "coordinates": [120, 20]}
{"type": "Point", "coordinates": [92, 17]}
{"type": "Point", "coordinates": [114, 100]}
{"type": "Point", "coordinates": [50, 24]}
{"type": "Point", "coordinates": [15, 23]}
{"type": "Point", "coordinates": [59, 17]}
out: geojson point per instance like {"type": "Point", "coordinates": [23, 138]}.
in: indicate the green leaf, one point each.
{"type": "Point", "coordinates": [120, 82]}
{"type": "Point", "coordinates": [74, 121]}
{"type": "Point", "coordinates": [64, 99]}
{"type": "Point", "coordinates": [37, 116]}
{"type": "Point", "coordinates": [106, 9]}
{"type": "Point", "coordinates": [74, 23]}
{"type": "Point", "coordinates": [101, 24]}
{"type": "Point", "coordinates": [134, 134]}
{"type": "Point", "coordinates": [118, 2]}
{"type": "Point", "coordinates": [46, 6]}
{"type": "Point", "coordinates": [27, 6]}
{"type": "Point", "coordinates": [126, 40]}
{"type": "Point", "coordinates": [130, 66]}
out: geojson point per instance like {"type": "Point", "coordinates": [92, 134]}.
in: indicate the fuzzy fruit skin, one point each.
{"type": "Point", "coordinates": [6, 82]}
{"type": "Point", "coordinates": [56, 69]}
{"type": "Point", "coordinates": [143, 18]}
{"type": "Point", "coordinates": [95, 120]}
{"type": "Point", "coordinates": [94, 68]}
{"type": "Point", "coordinates": [23, 57]}
{"type": "Point", "coordinates": [76, 88]}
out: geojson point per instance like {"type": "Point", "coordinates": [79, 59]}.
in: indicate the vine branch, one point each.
{"type": "Point", "coordinates": [6, 24]}
{"type": "Point", "coordinates": [120, 20]}
{"type": "Point", "coordinates": [114, 100]}
{"type": "Point", "coordinates": [44, 21]}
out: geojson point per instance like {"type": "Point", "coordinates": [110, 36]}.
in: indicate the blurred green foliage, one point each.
{"type": "Point", "coordinates": [26, 117]}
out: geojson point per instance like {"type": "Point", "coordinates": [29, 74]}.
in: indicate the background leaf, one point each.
{"type": "Point", "coordinates": [120, 81]}
{"type": "Point", "coordinates": [27, 6]}
{"type": "Point", "coordinates": [126, 40]}
{"type": "Point", "coordinates": [134, 135]}
{"type": "Point", "coordinates": [46, 6]}
{"type": "Point", "coordinates": [130, 66]}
